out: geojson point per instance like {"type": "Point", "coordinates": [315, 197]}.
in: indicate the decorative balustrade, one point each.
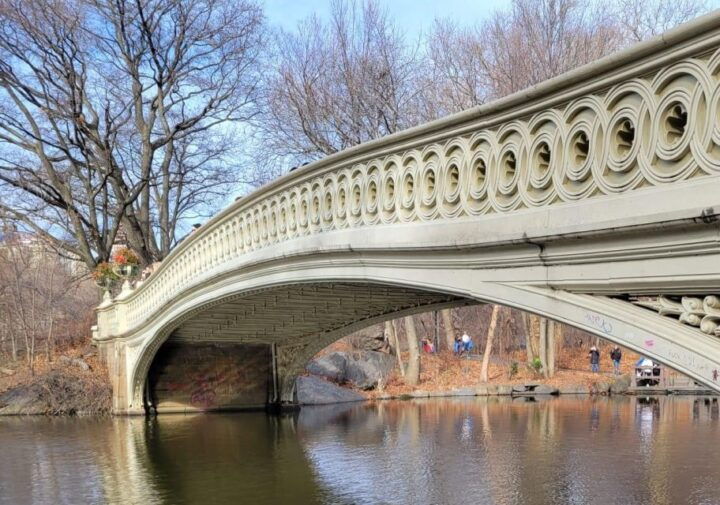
{"type": "Point", "coordinates": [647, 117]}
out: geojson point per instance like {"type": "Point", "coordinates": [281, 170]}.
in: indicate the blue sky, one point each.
{"type": "Point", "coordinates": [413, 15]}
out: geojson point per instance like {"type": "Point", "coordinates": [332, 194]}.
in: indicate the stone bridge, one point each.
{"type": "Point", "coordinates": [591, 199]}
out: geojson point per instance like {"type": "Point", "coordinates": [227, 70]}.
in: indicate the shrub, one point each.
{"type": "Point", "coordinates": [513, 370]}
{"type": "Point", "coordinates": [536, 365]}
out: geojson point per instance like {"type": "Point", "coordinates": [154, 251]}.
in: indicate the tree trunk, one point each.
{"type": "Point", "coordinates": [13, 343]}
{"type": "Point", "coordinates": [530, 341]}
{"type": "Point", "coordinates": [449, 328]}
{"type": "Point", "coordinates": [49, 343]}
{"type": "Point", "coordinates": [412, 374]}
{"type": "Point", "coordinates": [543, 345]}
{"type": "Point", "coordinates": [553, 327]}
{"type": "Point", "coordinates": [488, 344]}
{"type": "Point", "coordinates": [392, 337]}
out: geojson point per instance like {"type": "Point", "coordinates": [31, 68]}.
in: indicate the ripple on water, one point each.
{"type": "Point", "coordinates": [568, 450]}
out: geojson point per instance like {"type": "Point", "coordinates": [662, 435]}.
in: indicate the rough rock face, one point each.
{"type": "Point", "coordinates": [22, 401]}
{"type": "Point", "coordinates": [316, 391]}
{"type": "Point", "coordinates": [364, 369]}
{"type": "Point", "coordinates": [370, 339]}
{"type": "Point", "coordinates": [57, 392]}
{"type": "Point", "coordinates": [331, 366]}
{"type": "Point", "coordinates": [574, 389]}
{"type": "Point", "coordinates": [620, 385]}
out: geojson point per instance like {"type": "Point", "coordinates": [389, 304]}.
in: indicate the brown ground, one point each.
{"type": "Point", "coordinates": [59, 387]}
{"type": "Point", "coordinates": [444, 371]}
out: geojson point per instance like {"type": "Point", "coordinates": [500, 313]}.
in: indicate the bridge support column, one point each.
{"type": "Point", "coordinates": [289, 362]}
{"type": "Point", "coordinates": [120, 361]}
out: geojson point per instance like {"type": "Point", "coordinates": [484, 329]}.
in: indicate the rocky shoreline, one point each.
{"type": "Point", "coordinates": [71, 385]}
{"type": "Point", "coordinates": [76, 388]}
{"type": "Point", "coordinates": [360, 376]}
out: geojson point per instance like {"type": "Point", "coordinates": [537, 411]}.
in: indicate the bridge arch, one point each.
{"type": "Point", "coordinates": [618, 321]}
{"type": "Point", "coordinates": [587, 199]}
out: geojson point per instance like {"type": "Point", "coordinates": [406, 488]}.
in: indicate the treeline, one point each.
{"type": "Point", "coordinates": [514, 336]}
{"type": "Point", "coordinates": [45, 307]}
{"type": "Point", "coordinates": [142, 117]}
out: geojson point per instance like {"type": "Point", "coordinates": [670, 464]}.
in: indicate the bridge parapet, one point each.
{"type": "Point", "coordinates": [636, 121]}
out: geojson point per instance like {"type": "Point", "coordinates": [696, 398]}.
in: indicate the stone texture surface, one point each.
{"type": "Point", "coordinates": [600, 388]}
{"type": "Point", "coordinates": [331, 366]}
{"type": "Point", "coordinates": [574, 389]}
{"type": "Point", "coordinates": [464, 392]}
{"type": "Point", "coordinates": [209, 377]}
{"type": "Point", "coordinates": [620, 385]}
{"type": "Point", "coordinates": [316, 391]}
{"type": "Point", "coordinates": [22, 401]}
{"type": "Point", "coordinates": [76, 362]}
{"type": "Point", "coordinates": [364, 369]}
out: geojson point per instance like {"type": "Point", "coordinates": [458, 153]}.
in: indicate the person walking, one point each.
{"type": "Point", "coordinates": [616, 356]}
{"type": "Point", "coordinates": [594, 359]}
{"type": "Point", "coordinates": [467, 344]}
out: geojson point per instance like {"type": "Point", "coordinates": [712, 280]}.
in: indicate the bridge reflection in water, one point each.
{"type": "Point", "coordinates": [500, 451]}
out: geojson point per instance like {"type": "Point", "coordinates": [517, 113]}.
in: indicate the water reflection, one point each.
{"type": "Point", "coordinates": [657, 450]}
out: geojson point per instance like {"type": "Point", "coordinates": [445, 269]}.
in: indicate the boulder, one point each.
{"type": "Point", "coordinates": [620, 385]}
{"type": "Point", "coordinates": [463, 392]}
{"type": "Point", "coordinates": [77, 362]}
{"type": "Point", "coordinates": [533, 389]}
{"type": "Point", "coordinates": [574, 389]}
{"type": "Point", "coordinates": [600, 388]}
{"type": "Point", "coordinates": [366, 368]}
{"type": "Point", "coordinates": [370, 339]}
{"type": "Point", "coordinates": [331, 366]}
{"type": "Point", "coordinates": [503, 390]}
{"type": "Point", "coordinates": [23, 400]}
{"type": "Point", "coordinates": [316, 391]}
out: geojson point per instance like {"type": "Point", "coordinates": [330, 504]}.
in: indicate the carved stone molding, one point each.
{"type": "Point", "coordinates": [702, 312]}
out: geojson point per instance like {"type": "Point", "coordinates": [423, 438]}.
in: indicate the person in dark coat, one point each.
{"type": "Point", "coordinates": [594, 359]}
{"type": "Point", "coordinates": [616, 356]}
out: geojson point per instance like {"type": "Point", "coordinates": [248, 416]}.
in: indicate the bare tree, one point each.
{"type": "Point", "coordinates": [112, 114]}
{"type": "Point", "coordinates": [40, 298]}
{"type": "Point", "coordinates": [533, 41]}
{"type": "Point", "coordinates": [337, 84]}
{"type": "Point", "coordinates": [457, 77]}
{"type": "Point", "coordinates": [412, 371]}
{"type": "Point", "coordinates": [642, 19]}
{"type": "Point", "coordinates": [447, 317]}
{"type": "Point", "coordinates": [489, 343]}
{"type": "Point", "coordinates": [391, 335]}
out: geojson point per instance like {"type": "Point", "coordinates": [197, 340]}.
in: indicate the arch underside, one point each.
{"type": "Point", "coordinates": [311, 309]}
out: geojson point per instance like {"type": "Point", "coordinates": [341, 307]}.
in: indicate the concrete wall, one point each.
{"type": "Point", "coordinates": [210, 377]}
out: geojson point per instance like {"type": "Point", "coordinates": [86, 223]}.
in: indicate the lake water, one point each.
{"type": "Point", "coordinates": [567, 450]}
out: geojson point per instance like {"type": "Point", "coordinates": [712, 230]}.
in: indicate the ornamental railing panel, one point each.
{"type": "Point", "coordinates": [645, 118]}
